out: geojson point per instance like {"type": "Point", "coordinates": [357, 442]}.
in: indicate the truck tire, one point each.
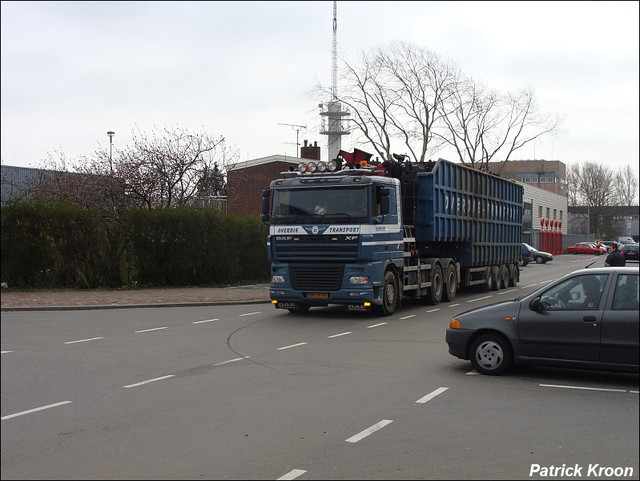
{"type": "Point", "coordinates": [497, 283]}
{"type": "Point", "coordinates": [513, 275]}
{"type": "Point", "coordinates": [451, 283]}
{"type": "Point", "coordinates": [491, 354]}
{"type": "Point", "coordinates": [389, 295]}
{"type": "Point", "coordinates": [434, 296]}
{"type": "Point", "coordinates": [504, 276]}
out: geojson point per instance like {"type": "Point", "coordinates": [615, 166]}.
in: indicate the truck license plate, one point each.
{"type": "Point", "coordinates": [318, 295]}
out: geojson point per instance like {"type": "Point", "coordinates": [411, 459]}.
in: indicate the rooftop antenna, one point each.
{"type": "Point", "coordinates": [332, 111]}
{"type": "Point", "coordinates": [297, 127]}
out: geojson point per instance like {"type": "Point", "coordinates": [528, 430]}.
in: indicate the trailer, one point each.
{"type": "Point", "coordinates": [370, 236]}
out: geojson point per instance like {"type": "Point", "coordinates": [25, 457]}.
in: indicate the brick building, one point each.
{"type": "Point", "coordinates": [247, 180]}
{"type": "Point", "coordinates": [548, 175]}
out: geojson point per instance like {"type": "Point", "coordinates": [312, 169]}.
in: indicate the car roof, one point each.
{"type": "Point", "coordinates": [606, 270]}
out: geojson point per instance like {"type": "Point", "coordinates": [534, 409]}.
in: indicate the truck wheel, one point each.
{"type": "Point", "coordinates": [489, 280]}
{"type": "Point", "coordinates": [434, 295]}
{"type": "Point", "coordinates": [389, 295]}
{"type": "Point", "coordinates": [451, 284]}
{"type": "Point", "coordinates": [491, 354]}
{"type": "Point", "coordinates": [497, 283]}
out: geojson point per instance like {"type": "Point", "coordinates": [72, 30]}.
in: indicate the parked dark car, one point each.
{"type": "Point", "coordinates": [629, 251]}
{"type": "Point", "coordinates": [588, 319]}
{"type": "Point", "coordinates": [541, 257]}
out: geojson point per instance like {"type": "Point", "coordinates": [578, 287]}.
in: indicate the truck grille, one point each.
{"type": "Point", "coordinates": [316, 277]}
{"type": "Point", "coordinates": [316, 247]}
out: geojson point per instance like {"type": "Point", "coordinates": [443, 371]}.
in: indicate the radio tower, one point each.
{"type": "Point", "coordinates": [332, 112]}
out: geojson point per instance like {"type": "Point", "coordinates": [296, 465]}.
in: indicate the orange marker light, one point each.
{"type": "Point", "coordinates": [454, 324]}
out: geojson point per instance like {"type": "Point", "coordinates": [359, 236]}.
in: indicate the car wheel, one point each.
{"type": "Point", "coordinates": [491, 354]}
{"type": "Point", "coordinates": [574, 252]}
{"type": "Point", "coordinates": [539, 260]}
{"type": "Point", "coordinates": [389, 295]}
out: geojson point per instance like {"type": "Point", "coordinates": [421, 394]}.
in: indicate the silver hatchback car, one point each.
{"type": "Point", "coordinates": [587, 319]}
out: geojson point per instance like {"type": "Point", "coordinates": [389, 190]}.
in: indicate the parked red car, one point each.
{"type": "Point", "coordinates": [586, 248]}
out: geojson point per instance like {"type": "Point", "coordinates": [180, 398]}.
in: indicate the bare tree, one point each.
{"type": "Point", "coordinates": [626, 187]}
{"type": "Point", "coordinates": [573, 183]}
{"type": "Point", "coordinates": [393, 94]}
{"type": "Point", "coordinates": [482, 123]}
{"type": "Point", "coordinates": [168, 168]}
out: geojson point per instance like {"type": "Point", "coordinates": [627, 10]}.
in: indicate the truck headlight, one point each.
{"type": "Point", "coordinates": [277, 279]}
{"type": "Point", "coordinates": [359, 280]}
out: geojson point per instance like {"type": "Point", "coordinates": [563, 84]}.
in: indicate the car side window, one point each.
{"type": "Point", "coordinates": [626, 296]}
{"type": "Point", "coordinates": [580, 292]}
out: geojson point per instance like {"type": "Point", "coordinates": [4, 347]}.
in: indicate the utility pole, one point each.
{"type": "Point", "coordinates": [297, 127]}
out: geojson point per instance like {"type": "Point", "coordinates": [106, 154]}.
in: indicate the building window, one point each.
{"type": "Point", "coordinates": [540, 211]}
{"type": "Point", "coordinates": [548, 211]}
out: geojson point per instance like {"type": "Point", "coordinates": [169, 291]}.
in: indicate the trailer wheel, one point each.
{"type": "Point", "coordinates": [513, 275]}
{"type": "Point", "coordinates": [497, 283]}
{"type": "Point", "coordinates": [451, 284]}
{"type": "Point", "coordinates": [389, 295]}
{"type": "Point", "coordinates": [504, 276]}
{"type": "Point", "coordinates": [434, 295]}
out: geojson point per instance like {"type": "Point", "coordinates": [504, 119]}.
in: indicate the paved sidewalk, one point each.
{"type": "Point", "coordinates": [61, 299]}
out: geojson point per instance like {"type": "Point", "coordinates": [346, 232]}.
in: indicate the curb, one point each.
{"type": "Point", "coordinates": [129, 306]}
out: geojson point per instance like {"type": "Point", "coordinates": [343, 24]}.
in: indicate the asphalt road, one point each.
{"type": "Point", "coordinates": [250, 392]}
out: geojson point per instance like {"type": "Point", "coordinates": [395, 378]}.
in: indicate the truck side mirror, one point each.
{"type": "Point", "coordinates": [265, 205]}
{"type": "Point", "coordinates": [383, 199]}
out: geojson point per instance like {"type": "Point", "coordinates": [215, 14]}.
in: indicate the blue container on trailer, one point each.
{"type": "Point", "coordinates": [472, 215]}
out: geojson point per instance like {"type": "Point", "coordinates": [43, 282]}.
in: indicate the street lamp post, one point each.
{"type": "Point", "coordinates": [110, 134]}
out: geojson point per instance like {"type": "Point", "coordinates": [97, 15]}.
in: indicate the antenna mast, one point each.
{"type": "Point", "coordinates": [297, 127]}
{"type": "Point", "coordinates": [333, 112]}
{"type": "Point", "coordinates": [334, 54]}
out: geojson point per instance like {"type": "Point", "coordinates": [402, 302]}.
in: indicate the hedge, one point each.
{"type": "Point", "coordinates": [52, 244]}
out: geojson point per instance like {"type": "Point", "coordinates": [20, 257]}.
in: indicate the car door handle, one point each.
{"type": "Point", "coordinates": [589, 318]}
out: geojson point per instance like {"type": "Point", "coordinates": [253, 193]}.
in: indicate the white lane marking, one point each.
{"type": "Point", "coordinates": [84, 340]}
{"type": "Point", "coordinates": [206, 320]}
{"type": "Point", "coordinates": [434, 310]}
{"type": "Point", "coordinates": [408, 317]}
{"type": "Point", "coordinates": [41, 408]}
{"type": "Point", "coordinates": [293, 474]}
{"type": "Point", "coordinates": [338, 335]}
{"type": "Point", "coordinates": [6, 352]}
{"type": "Point", "coordinates": [292, 345]}
{"type": "Point", "coordinates": [530, 285]}
{"type": "Point", "coordinates": [583, 388]}
{"type": "Point", "coordinates": [148, 381]}
{"type": "Point", "coordinates": [454, 305]}
{"type": "Point", "coordinates": [230, 361]}
{"type": "Point", "coordinates": [250, 314]}
{"type": "Point", "coordinates": [472, 373]}
{"type": "Point", "coordinates": [376, 325]}
{"type": "Point", "coordinates": [149, 330]}
{"type": "Point", "coordinates": [507, 292]}
{"type": "Point", "coordinates": [479, 299]}
{"type": "Point", "coordinates": [430, 396]}
{"type": "Point", "coordinates": [368, 431]}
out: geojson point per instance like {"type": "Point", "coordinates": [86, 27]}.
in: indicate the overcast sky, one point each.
{"type": "Point", "coordinates": [71, 71]}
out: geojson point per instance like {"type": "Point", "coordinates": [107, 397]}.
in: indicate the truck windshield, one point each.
{"type": "Point", "coordinates": [322, 205]}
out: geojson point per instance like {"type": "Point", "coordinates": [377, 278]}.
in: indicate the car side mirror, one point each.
{"type": "Point", "coordinates": [536, 305]}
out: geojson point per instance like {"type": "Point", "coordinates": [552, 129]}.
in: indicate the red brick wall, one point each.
{"type": "Point", "coordinates": [245, 186]}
